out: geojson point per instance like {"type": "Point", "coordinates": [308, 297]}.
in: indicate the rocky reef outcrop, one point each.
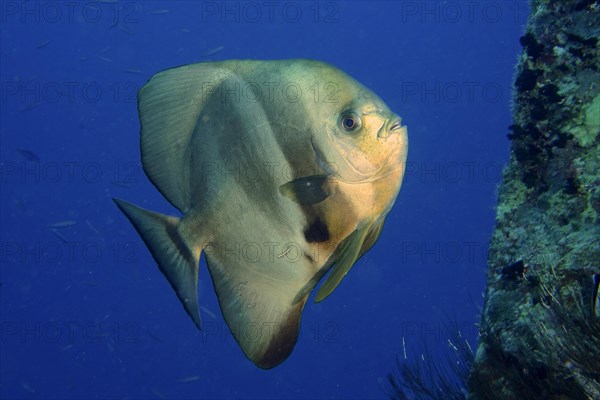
{"type": "Point", "coordinates": [540, 325]}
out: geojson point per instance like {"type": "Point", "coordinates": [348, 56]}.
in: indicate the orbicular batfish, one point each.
{"type": "Point", "coordinates": [282, 171]}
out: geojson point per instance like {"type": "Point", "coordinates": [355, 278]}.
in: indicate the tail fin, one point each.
{"type": "Point", "coordinates": [177, 262]}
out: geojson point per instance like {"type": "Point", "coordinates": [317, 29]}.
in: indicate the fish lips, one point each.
{"type": "Point", "coordinates": [393, 125]}
{"type": "Point", "coordinates": [394, 135]}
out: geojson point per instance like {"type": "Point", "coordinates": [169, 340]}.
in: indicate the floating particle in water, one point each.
{"type": "Point", "coordinates": [43, 44]}
{"type": "Point", "coordinates": [62, 224]}
{"type": "Point", "coordinates": [29, 155]}
{"type": "Point", "coordinates": [188, 379]}
{"type": "Point", "coordinates": [213, 51]}
{"type": "Point", "coordinates": [133, 71]}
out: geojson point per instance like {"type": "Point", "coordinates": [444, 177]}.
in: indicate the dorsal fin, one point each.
{"type": "Point", "coordinates": [169, 105]}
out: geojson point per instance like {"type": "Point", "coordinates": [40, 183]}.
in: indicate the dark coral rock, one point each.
{"type": "Point", "coordinates": [527, 79]}
{"type": "Point", "coordinates": [533, 132]}
{"type": "Point", "coordinates": [540, 333]}
{"type": "Point", "coordinates": [539, 111]}
{"type": "Point", "coordinates": [527, 152]}
{"type": "Point", "coordinates": [532, 46]}
{"type": "Point", "coordinates": [591, 42]}
{"type": "Point", "coordinates": [576, 52]}
{"type": "Point", "coordinates": [514, 271]}
{"type": "Point", "coordinates": [550, 93]}
{"type": "Point", "coordinates": [530, 131]}
{"type": "Point", "coordinates": [517, 131]}
{"type": "Point", "coordinates": [582, 48]}
{"type": "Point", "coordinates": [572, 186]}
{"type": "Point", "coordinates": [559, 141]}
{"type": "Point", "coordinates": [530, 179]}
{"type": "Point", "coordinates": [583, 4]}
{"type": "Point", "coordinates": [595, 199]}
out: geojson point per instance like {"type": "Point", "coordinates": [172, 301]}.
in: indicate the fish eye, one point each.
{"type": "Point", "coordinates": [350, 121]}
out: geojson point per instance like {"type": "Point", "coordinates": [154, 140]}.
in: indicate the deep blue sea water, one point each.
{"type": "Point", "coordinates": [85, 312]}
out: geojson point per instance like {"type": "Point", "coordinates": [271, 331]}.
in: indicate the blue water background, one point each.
{"type": "Point", "coordinates": [94, 317]}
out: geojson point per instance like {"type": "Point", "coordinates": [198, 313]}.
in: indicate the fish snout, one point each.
{"type": "Point", "coordinates": [393, 126]}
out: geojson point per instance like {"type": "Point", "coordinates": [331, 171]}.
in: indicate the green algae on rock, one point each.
{"type": "Point", "coordinates": [540, 331]}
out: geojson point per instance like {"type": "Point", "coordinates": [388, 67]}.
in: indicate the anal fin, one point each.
{"type": "Point", "coordinates": [177, 262]}
{"type": "Point", "coordinates": [263, 312]}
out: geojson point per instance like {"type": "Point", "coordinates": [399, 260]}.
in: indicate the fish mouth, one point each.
{"type": "Point", "coordinates": [394, 124]}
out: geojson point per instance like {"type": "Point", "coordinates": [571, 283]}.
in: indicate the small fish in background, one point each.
{"type": "Point", "coordinates": [133, 71]}
{"type": "Point", "coordinates": [92, 227]}
{"type": "Point", "coordinates": [208, 312]}
{"type": "Point", "coordinates": [19, 204]}
{"type": "Point", "coordinates": [121, 27]}
{"type": "Point", "coordinates": [160, 12]}
{"type": "Point", "coordinates": [154, 335]}
{"type": "Point", "coordinates": [27, 387]}
{"type": "Point", "coordinates": [120, 184]}
{"type": "Point", "coordinates": [59, 235]}
{"type": "Point", "coordinates": [158, 393]}
{"type": "Point", "coordinates": [189, 379]}
{"type": "Point", "coordinates": [66, 348]}
{"type": "Point", "coordinates": [29, 107]}
{"type": "Point", "coordinates": [106, 59]}
{"type": "Point", "coordinates": [61, 224]}
{"type": "Point", "coordinates": [213, 51]}
{"type": "Point", "coordinates": [102, 51]}
{"type": "Point", "coordinates": [125, 29]}
{"type": "Point", "coordinates": [110, 346]}
{"type": "Point", "coordinates": [179, 50]}
{"type": "Point", "coordinates": [43, 44]}
{"type": "Point", "coordinates": [29, 155]}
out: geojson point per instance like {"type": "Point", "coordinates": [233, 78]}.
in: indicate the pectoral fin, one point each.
{"type": "Point", "coordinates": [307, 190]}
{"type": "Point", "coordinates": [372, 236]}
{"type": "Point", "coordinates": [346, 255]}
